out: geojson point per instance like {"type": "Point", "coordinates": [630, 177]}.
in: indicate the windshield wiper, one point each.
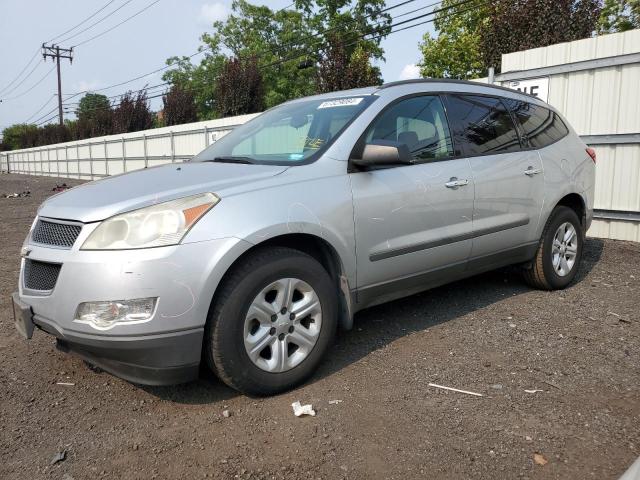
{"type": "Point", "coordinates": [231, 159]}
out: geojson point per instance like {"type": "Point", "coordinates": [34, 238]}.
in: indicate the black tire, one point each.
{"type": "Point", "coordinates": [224, 344]}
{"type": "Point", "coordinates": [540, 273]}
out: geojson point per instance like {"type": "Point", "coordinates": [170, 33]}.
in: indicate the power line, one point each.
{"type": "Point", "coordinates": [45, 115]}
{"type": "Point", "coordinates": [307, 53]}
{"type": "Point", "coordinates": [118, 24]}
{"type": "Point", "coordinates": [96, 22]}
{"type": "Point", "coordinates": [75, 94]}
{"type": "Point", "coordinates": [40, 109]}
{"type": "Point", "coordinates": [32, 86]}
{"type": "Point", "coordinates": [83, 21]}
{"type": "Point", "coordinates": [35, 55]}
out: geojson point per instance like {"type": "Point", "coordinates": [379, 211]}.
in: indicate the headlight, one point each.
{"type": "Point", "coordinates": [155, 226]}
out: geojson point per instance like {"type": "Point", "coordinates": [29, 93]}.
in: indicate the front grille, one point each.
{"type": "Point", "coordinates": [40, 275]}
{"type": "Point", "coordinates": [56, 234]}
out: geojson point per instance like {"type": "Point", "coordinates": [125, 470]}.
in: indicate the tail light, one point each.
{"type": "Point", "coordinates": [592, 153]}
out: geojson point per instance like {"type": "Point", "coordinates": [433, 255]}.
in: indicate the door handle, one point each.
{"type": "Point", "coordinates": [530, 172]}
{"type": "Point", "coordinates": [455, 183]}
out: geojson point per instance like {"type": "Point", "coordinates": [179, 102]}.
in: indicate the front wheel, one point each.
{"type": "Point", "coordinates": [559, 251]}
{"type": "Point", "coordinates": [272, 321]}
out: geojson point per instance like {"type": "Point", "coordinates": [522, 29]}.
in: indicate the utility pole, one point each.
{"type": "Point", "coordinates": [55, 52]}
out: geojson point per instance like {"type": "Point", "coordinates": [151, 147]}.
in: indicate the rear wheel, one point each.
{"type": "Point", "coordinates": [559, 251]}
{"type": "Point", "coordinates": [272, 321]}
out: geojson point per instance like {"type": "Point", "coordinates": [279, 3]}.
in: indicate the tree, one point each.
{"type": "Point", "coordinates": [179, 106]}
{"type": "Point", "coordinates": [132, 113]}
{"type": "Point", "coordinates": [15, 136]}
{"type": "Point", "coordinates": [239, 88]}
{"type": "Point", "coordinates": [619, 16]}
{"type": "Point", "coordinates": [339, 71]}
{"type": "Point", "coordinates": [91, 104]}
{"type": "Point", "coordinates": [288, 43]}
{"type": "Point", "coordinates": [510, 25]}
{"type": "Point", "coordinates": [455, 51]}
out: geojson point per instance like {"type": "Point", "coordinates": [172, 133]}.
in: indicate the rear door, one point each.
{"type": "Point", "coordinates": [509, 180]}
{"type": "Point", "coordinates": [411, 219]}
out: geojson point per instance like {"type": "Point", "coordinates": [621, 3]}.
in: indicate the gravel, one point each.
{"type": "Point", "coordinates": [489, 334]}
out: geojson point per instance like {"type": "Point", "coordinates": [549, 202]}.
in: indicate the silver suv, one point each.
{"type": "Point", "coordinates": [250, 256]}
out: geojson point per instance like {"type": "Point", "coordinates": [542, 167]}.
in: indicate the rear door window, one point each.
{"type": "Point", "coordinates": [541, 126]}
{"type": "Point", "coordinates": [481, 125]}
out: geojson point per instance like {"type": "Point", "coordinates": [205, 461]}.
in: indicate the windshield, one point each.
{"type": "Point", "coordinates": [290, 134]}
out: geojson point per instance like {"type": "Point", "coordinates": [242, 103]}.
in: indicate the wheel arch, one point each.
{"type": "Point", "coordinates": [316, 247]}
{"type": "Point", "coordinates": [575, 202]}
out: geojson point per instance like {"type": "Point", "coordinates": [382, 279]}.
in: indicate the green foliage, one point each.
{"type": "Point", "coordinates": [619, 16]}
{"type": "Point", "coordinates": [289, 45]}
{"type": "Point", "coordinates": [511, 26]}
{"type": "Point", "coordinates": [455, 51]}
{"type": "Point", "coordinates": [472, 38]}
{"type": "Point", "coordinates": [14, 136]}
{"type": "Point", "coordinates": [90, 104]}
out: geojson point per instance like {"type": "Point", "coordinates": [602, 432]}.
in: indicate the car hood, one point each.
{"type": "Point", "coordinates": [102, 199]}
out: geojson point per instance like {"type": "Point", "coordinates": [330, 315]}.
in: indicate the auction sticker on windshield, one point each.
{"type": "Point", "coordinates": [341, 102]}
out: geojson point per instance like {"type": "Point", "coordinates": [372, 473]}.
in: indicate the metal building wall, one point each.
{"type": "Point", "coordinates": [595, 83]}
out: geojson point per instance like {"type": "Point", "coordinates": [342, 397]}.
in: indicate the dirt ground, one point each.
{"type": "Point", "coordinates": [489, 334]}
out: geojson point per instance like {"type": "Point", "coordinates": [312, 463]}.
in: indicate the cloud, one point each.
{"type": "Point", "coordinates": [410, 71]}
{"type": "Point", "coordinates": [213, 12]}
{"type": "Point", "coordinates": [85, 85]}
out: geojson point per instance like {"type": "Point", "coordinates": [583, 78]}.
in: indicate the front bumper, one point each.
{"type": "Point", "coordinates": [162, 359]}
{"type": "Point", "coordinates": [163, 350]}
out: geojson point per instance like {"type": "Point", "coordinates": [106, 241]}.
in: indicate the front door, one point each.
{"type": "Point", "coordinates": [412, 219]}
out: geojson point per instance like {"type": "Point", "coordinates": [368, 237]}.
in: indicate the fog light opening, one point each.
{"type": "Point", "coordinates": [103, 315]}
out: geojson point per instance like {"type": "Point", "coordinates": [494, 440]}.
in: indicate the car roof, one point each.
{"type": "Point", "coordinates": [474, 87]}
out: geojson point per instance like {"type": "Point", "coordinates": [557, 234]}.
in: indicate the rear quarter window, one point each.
{"type": "Point", "coordinates": [541, 126]}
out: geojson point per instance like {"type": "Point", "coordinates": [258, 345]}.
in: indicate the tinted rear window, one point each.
{"type": "Point", "coordinates": [481, 125]}
{"type": "Point", "coordinates": [540, 125]}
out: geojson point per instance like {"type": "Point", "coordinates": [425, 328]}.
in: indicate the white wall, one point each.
{"type": "Point", "coordinates": [101, 156]}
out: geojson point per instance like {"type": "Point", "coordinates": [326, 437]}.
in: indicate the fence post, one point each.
{"type": "Point", "coordinates": [173, 148]}
{"type": "Point", "coordinates": [78, 158]}
{"type": "Point", "coordinates": [66, 159]}
{"type": "Point", "coordinates": [146, 159]}
{"type": "Point", "coordinates": [206, 137]}
{"type": "Point", "coordinates": [90, 161]}
{"type": "Point", "coordinates": [124, 158]}
{"type": "Point", "coordinates": [106, 159]}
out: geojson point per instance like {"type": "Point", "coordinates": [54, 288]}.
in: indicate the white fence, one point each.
{"type": "Point", "coordinates": [594, 82]}
{"type": "Point", "coordinates": [102, 156]}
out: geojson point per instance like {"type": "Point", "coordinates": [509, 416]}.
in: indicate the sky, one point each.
{"type": "Point", "coordinates": [139, 46]}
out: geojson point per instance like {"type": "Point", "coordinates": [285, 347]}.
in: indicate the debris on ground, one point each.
{"type": "Point", "coordinates": [60, 188]}
{"type": "Point", "coordinates": [456, 390]}
{"type": "Point", "coordinates": [334, 402]}
{"type": "Point", "coordinates": [226, 413]}
{"type": "Point", "coordinates": [299, 410]}
{"type": "Point", "coordinates": [25, 193]}
{"type": "Point", "coordinates": [535, 390]}
{"type": "Point", "coordinates": [539, 459]}
{"type": "Point", "coordinates": [66, 384]}
{"type": "Point", "coordinates": [552, 384]}
{"type": "Point", "coordinates": [59, 457]}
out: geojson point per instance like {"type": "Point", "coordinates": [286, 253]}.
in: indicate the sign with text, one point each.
{"type": "Point", "coordinates": [536, 87]}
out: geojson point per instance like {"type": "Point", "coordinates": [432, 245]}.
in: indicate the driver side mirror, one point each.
{"type": "Point", "coordinates": [384, 153]}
